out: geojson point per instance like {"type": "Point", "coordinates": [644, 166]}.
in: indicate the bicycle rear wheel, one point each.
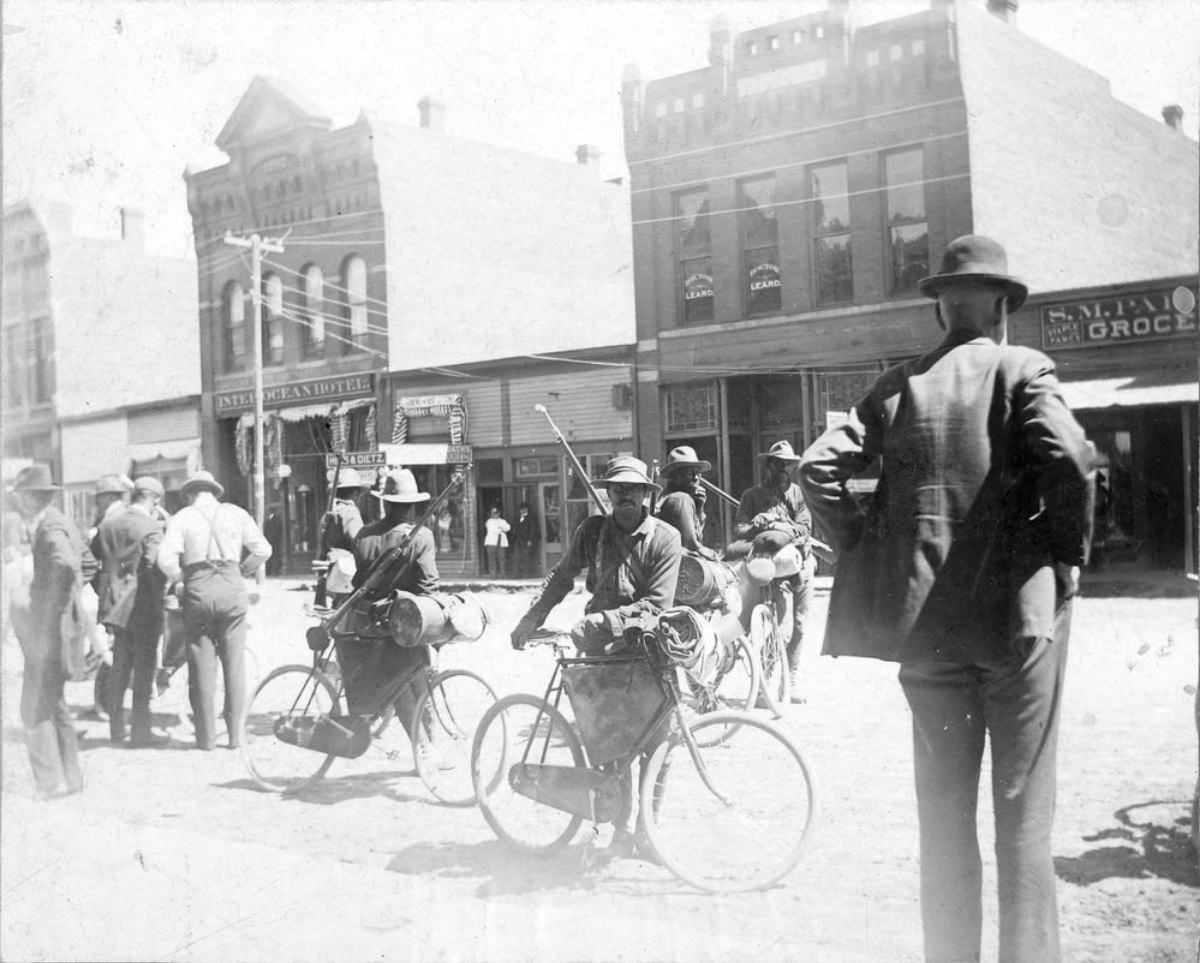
{"type": "Point", "coordinates": [767, 638]}
{"type": "Point", "coordinates": [515, 729]}
{"type": "Point", "coordinates": [447, 716]}
{"type": "Point", "coordinates": [746, 826]}
{"type": "Point", "coordinates": [736, 689]}
{"type": "Point", "coordinates": [300, 693]}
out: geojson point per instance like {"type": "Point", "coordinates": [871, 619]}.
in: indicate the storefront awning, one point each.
{"type": "Point", "coordinates": [1178, 387]}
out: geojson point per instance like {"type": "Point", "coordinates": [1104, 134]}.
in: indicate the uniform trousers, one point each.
{"type": "Point", "coordinates": [135, 654]}
{"type": "Point", "coordinates": [214, 614]}
{"type": "Point", "coordinates": [1016, 703]}
{"type": "Point", "coordinates": [49, 727]}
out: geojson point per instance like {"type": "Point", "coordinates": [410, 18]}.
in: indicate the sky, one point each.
{"type": "Point", "coordinates": [106, 102]}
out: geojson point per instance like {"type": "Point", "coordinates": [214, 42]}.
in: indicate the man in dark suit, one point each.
{"type": "Point", "coordinates": [525, 540]}
{"type": "Point", "coordinates": [961, 568]}
{"type": "Point", "coordinates": [54, 635]}
{"type": "Point", "coordinates": [131, 605]}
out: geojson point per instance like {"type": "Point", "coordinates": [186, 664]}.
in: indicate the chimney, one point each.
{"type": "Point", "coordinates": [433, 114]}
{"type": "Point", "coordinates": [133, 230]}
{"type": "Point", "coordinates": [1173, 116]}
{"type": "Point", "coordinates": [588, 155]}
{"type": "Point", "coordinates": [1006, 10]}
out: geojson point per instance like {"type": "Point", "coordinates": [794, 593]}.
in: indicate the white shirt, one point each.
{"type": "Point", "coordinates": [496, 527]}
{"type": "Point", "coordinates": [209, 530]}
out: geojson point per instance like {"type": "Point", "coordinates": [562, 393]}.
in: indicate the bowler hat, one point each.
{"type": "Point", "coordinates": [111, 485]}
{"type": "Point", "coordinates": [35, 478]}
{"type": "Point", "coordinates": [401, 486]}
{"type": "Point", "coordinates": [348, 478]}
{"type": "Point", "coordinates": [684, 457]}
{"type": "Point", "coordinates": [148, 484]}
{"type": "Point", "coordinates": [203, 481]}
{"type": "Point", "coordinates": [975, 259]}
{"type": "Point", "coordinates": [625, 470]}
{"type": "Point", "coordinates": [781, 450]}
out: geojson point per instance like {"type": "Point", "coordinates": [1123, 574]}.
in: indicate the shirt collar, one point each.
{"type": "Point", "coordinates": [645, 527]}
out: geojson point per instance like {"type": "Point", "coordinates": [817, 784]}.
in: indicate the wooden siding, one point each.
{"type": "Point", "coordinates": [484, 423]}
{"type": "Point", "coordinates": [164, 424]}
{"type": "Point", "coordinates": [581, 404]}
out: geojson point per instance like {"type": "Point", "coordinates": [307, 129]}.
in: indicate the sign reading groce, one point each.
{"type": "Point", "coordinates": [1141, 316]}
{"type": "Point", "coordinates": [303, 392]}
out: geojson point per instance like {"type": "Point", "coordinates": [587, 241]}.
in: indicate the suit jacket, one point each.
{"type": "Point", "coordinates": [986, 483]}
{"type": "Point", "coordinates": [58, 622]}
{"type": "Point", "coordinates": [131, 584]}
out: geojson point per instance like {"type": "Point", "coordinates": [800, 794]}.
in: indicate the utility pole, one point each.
{"type": "Point", "coordinates": [257, 246]}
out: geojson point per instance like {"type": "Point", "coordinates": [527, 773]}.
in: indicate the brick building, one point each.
{"type": "Point", "coordinates": [787, 196]}
{"type": "Point", "coordinates": [407, 250]}
{"type": "Point", "coordinates": [100, 351]}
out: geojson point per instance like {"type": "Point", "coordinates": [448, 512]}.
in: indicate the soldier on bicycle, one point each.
{"type": "Point", "coordinates": [772, 515]}
{"type": "Point", "coordinates": [632, 562]}
{"type": "Point", "coordinates": [682, 504]}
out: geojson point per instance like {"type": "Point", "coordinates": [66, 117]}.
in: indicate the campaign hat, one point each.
{"type": "Point", "coordinates": [35, 478]}
{"type": "Point", "coordinates": [781, 450]}
{"type": "Point", "coordinates": [625, 470]}
{"type": "Point", "coordinates": [400, 486]}
{"type": "Point", "coordinates": [201, 480]}
{"type": "Point", "coordinates": [148, 484]}
{"type": "Point", "coordinates": [975, 259]}
{"type": "Point", "coordinates": [684, 457]}
{"type": "Point", "coordinates": [348, 478]}
{"type": "Point", "coordinates": [111, 485]}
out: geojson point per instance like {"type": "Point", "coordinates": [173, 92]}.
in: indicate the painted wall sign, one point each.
{"type": "Point", "coordinates": [299, 392]}
{"type": "Point", "coordinates": [358, 459]}
{"type": "Point", "coordinates": [1144, 316]}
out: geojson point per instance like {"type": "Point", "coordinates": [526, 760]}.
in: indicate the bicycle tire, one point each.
{"type": "Point", "coordinates": [275, 765]}
{"type": "Point", "coordinates": [765, 636]}
{"type": "Point", "coordinates": [756, 835]}
{"type": "Point", "coordinates": [501, 738]}
{"type": "Point", "coordinates": [737, 690]}
{"type": "Point", "coordinates": [443, 736]}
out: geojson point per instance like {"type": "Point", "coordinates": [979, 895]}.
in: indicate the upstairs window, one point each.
{"type": "Point", "coordinates": [234, 311]}
{"type": "Point", "coordinates": [314, 312]}
{"type": "Point", "coordinates": [14, 366]}
{"type": "Point", "coordinates": [832, 266]}
{"type": "Point", "coordinates": [272, 320]}
{"type": "Point", "coordinates": [693, 247]}
{"type": "Point", "coordinates": [356, 299]}
{"type": "Point", "coordinates": [42, 373]}
{"type": "Point", "coordinates": [760, 246]}
{"type": "Point", "coordinates": [907, 228]}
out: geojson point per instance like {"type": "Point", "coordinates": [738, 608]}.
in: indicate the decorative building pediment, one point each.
{"type": "Point", "coordinates": [267, 108]}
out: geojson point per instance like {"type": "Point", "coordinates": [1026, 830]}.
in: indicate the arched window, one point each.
{"type": "Point", "coordinates": [272, 320]}
{"type": "Point", "coordinates": [356, 299]}
{"type": "Point", "coordinates": [234, 309]}
{"type": "Point", "coordinates": [314, 307]}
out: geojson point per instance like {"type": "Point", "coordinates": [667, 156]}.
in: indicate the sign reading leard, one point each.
{"type": "Point", "coordinates": [1142, 316]}
{"type": "Point", "coordinates": [299, 392]}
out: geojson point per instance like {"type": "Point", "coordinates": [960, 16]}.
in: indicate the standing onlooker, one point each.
{"type": "Point", "coordinates": [495, 542]}
{"type": "Point", "coordinates": [54, 635]}
{"type": "Point", "coordinates": [131, 605]}
{"type": "Point", "coordinates": [212, 546]}
{"type": "Point", "coordinates": [962, 569]}
{"type": "Point", "coordinates": [525, 541]}
{"type": "Point", "coordinates": [109, 497]}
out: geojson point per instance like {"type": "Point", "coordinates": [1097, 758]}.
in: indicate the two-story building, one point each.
{"type": "Point", "coordinates": [788, 195]}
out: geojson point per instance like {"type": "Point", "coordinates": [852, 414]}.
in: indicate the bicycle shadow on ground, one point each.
{"type": "Point", "coordinates": [1152, 841]}
{"type": "Point", "coordinates": [507, 872]}
{"type": "Point", "coordinates": [329, 791]}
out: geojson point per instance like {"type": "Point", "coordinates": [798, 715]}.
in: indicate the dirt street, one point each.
{"type": "Point", "coordinates": [173, 854]}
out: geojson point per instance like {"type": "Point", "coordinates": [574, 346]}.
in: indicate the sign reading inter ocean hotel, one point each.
{"type": "Point", "coordinates": [1128, 318]}
{"type": "Point", "coordinates": [299, 393]}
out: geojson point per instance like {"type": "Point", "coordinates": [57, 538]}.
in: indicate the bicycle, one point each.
{"type": "Point", "coordinates": [727, 800]}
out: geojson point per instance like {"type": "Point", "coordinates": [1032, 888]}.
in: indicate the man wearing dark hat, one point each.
{"type": "Point", "coordinates": [131, 605]}
{"type": "Point", "coordinates": [632, 561]}
{"type": "Point", "coordinates": [773, 514]}
{"type": "Point", "coordinates": [682, 503]}
{"type": "Point", "coordinates": [210, 547]}
{"type": "Point", "coordinates": [54, 638]}
{"type": "Point", "coordinates": [961, 569]}
{"type": "Point", "coordinates": [525, 538]}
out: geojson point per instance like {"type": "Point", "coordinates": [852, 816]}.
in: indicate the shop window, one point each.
{"type": "Point", "coordinates": [234, 311]}
{"type": "Point", "coordinates": [908, 232]}
{"type": "Point", "coordinates": [760, 245]}
{"type": "Point", "coordinates": [536, 467]}
{"type": "Point", "coordinates": [14, 366]}
{"type": "Point", "coordinates": [489, 471]}
{"type": "Point", "coordinates": [693, 245]}
{"type": "Point", "coordinates": [691, 408]}
{"type": "Point", "coordinates": [832, 266]}
{"type": "Point", "coordinates": [355, 273]}
{"type": "Point", "coordinates": [272, 320]}
{"type": "Point", "coordinates": [314, 308]}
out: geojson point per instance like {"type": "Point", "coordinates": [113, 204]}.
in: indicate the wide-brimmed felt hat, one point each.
{"type": "Point", "coordinates": [625, 470]}
{"type": "Point", "coordinates": [111, 485]}
{"type": "Point", "coordinates": [35, 478]}
{"type": "Point", "coordinates": [684, 457]}
{"type": "Point", "coordinates": [975, 259]}
{"type": "Point", "coordinates": [781, 450]}
{"type": "Point", "coordinates": [149, 484]}
{"type": "Point", "coordinates": [204, 481]}
{"type": "Point", "coordinates": [348, 478]}
{"type": "Point", "coordinates": [401, 486]}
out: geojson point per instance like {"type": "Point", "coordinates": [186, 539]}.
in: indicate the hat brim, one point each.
{"type": "Point", "coordinates": [215, 487]}
{"type": "Point", "coordinates": [779, 457]}
{"type": "Point", "coordinates": [110, 491]}
{"type": "Point", "coordinates": [935, 284]}
{"type": "Point", "coordinates": [675, 466]}
{"type": "Point", "coordinates": [403, 499]}
{"type": "Point", "coordinates": [627, 480]}
{"type": "Point", "coordinates": [15, 490]}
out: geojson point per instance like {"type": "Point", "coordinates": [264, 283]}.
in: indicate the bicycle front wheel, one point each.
{"type": "Point", "coordinates": [735, 812]}
{"type": "Point", "coordinates": [767, 637]}
{"type": "Point", "coordinates": [303, 695]}
{"type": "Point", "coordinates": [523, 728]}
{"type": "Point", "coordinates": [447, 715]}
